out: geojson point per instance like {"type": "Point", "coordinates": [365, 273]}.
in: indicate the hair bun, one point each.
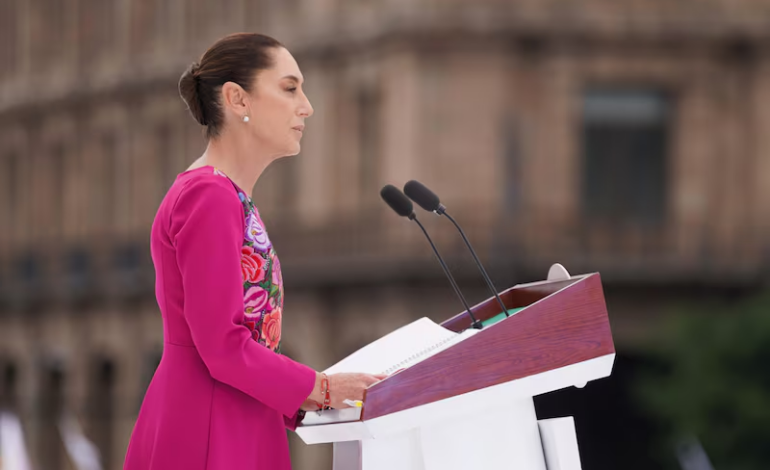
{"type": "Point", "coordinates": [190, 92]}
{"type": "Point", "coordinates": [195, 69]}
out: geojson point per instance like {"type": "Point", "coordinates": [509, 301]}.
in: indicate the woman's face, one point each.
{"type": "Point", "coordinates": [279, 106]}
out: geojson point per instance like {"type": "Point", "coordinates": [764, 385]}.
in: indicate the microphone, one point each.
{"type": "Point", "coordinates": [429, 201]}
{"type": "Point", "coordinates": [402, 206]}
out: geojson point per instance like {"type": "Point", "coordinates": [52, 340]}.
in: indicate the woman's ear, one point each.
{"type": "Point", "coordinates": [234, 97]}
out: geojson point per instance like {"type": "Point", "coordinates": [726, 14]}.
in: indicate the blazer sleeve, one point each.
{"type": "Point", "coordinates": [206, 229]}
{"type": "Point", "coordinates": [292, 422]}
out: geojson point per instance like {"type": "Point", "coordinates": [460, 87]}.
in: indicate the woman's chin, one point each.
{"type": "Point", "coordinates": [294, 150]}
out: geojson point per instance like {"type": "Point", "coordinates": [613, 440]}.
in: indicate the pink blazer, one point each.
{"type": "Point", "coordinates": [222, 396]}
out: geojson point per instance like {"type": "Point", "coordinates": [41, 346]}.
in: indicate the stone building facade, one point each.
{"type": "Point", "coordinates": [629, 138]}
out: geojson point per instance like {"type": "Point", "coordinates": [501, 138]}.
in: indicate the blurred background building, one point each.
{"type": "Point", "coordinates": [630, 138]}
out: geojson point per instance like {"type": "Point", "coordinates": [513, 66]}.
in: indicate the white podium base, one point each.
{"type": "Point", "coordinates": [560, 443]}
{"type": "Point", "coordinates": [509, 438]}
{"type": "Point", "coordinates": [491, 428]}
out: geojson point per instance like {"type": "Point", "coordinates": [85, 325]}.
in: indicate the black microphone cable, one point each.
{"type": "Point", "coordinates": [403, 207]}
{"type": "Point", "coordinates": [429, 201]}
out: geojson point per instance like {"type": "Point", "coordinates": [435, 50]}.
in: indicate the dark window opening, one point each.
{"type": "Point", "coordinates": [51, 408]}
{"type": "Point", "coordinates": [625, 151]}
{"type": "Point", "coordinates": [101, 407]}
{"type": "Point", "coordinates": [8, 383]}
{"type": "Point", "coordinates": [151, 363]}
{"type": "Point", "coordinates": [78, 271]}
{"type": "Point", "coordinates": [28, 268]}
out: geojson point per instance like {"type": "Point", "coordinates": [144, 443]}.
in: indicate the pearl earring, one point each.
{"type": "Point", "coordinates": [245, 119]}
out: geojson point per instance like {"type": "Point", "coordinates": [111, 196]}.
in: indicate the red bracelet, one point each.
{"type": "Point", "coordinates": [325, 392]}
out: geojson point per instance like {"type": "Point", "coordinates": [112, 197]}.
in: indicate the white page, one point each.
{"type": "Point", "coordinates": [403, 347]}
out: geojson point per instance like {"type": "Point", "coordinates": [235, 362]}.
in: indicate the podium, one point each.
{"type": "Point", "coordinates": [471, 406]}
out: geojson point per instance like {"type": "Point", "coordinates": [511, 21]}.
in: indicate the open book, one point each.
{"type": "Point", "coordinates": [395, 351]}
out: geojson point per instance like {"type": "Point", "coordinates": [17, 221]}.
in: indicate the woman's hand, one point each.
{"type": "Point", "coordinates": [344, 386]}
{"type": "Point", "coordinates": [350, 386]}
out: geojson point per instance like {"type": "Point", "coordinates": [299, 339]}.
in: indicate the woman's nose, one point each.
{"type": "Point", "coordinates": [306, 109]}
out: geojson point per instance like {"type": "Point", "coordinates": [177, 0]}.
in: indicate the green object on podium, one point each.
{"type": "Point", "coordinates": [500, 316]}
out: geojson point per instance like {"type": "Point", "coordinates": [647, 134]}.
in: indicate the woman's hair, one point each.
{"type": "Point", "coordinates": [235, 58]}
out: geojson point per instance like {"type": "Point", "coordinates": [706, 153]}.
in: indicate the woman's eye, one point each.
{"type": "Point", "coordinates": [292, 90]}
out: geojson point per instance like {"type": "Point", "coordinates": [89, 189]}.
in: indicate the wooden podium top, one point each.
{"type": "Point", "coordinates": [562, 322]}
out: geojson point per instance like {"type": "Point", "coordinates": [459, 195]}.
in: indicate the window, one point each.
{"type": "Point", "coordinates": [28, 268]}
{"type": "Point", "coordinates": [151, 362]}
{"type": "Point", "coordinates": [8, 387]}
{"type": "Point", "coordinates": [78, 271]}
{"type": "Point", "coordinates": [625, 147]}
{"type": "Point", "coordinates": [127, 263]}
{"type": "Point", "coordinates": [51, 406]}
{"type": "Point", "coordinates": [101, 407]}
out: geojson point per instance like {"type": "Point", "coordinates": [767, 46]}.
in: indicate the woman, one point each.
{"type": "Point", "coordinates": [223, 395]}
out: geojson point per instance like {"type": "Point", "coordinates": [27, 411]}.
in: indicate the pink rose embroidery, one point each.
{"type": "Point", "coordinates": [255, 300]}
{"type": "Point", "coordinates": [271, 329]}
{"type": "Point", "coordinates": [252, 265]}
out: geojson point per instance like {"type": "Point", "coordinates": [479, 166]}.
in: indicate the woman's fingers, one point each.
{"type": "Point", "coordinates": [369, 380]}
{"type": "Point", "coordinates": [351, 386]}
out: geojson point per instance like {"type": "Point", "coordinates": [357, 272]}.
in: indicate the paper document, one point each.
{"type": "Point", "coordinates": [401, 349]}
{"type": "Point", "coordinates": [398, 350]}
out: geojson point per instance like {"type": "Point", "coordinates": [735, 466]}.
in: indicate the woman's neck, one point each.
{"type": "Point", "coordinates": [232, 157]}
